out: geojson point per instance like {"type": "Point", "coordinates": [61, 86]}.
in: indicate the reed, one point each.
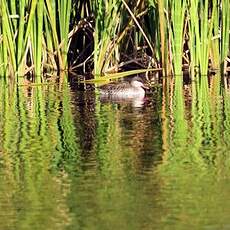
{"type": "Point", "coordinates": [7, 40]}
{"type": "Point", "coordinates": [177, 33]}
{"type": "Point", "coordinates": [35, 35]}
{"type": "Point", "coordinates": [225, 33]}
{"type": "Point", "coordinates": [106, 28]}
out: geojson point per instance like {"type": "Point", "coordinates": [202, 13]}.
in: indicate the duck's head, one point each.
{"type": "Point", "coordinates": [137, 82]}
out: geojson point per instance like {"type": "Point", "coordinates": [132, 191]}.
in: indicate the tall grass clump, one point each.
{"type": "Point", "coordinates": [38, 36]}
{"type": "Point", "coordinates": [225, 33]}
{"type": "Point", "coordinates": [202, 17]}
{"type": "Point", "coordinates": [120, 35]}
{"type": "Point", "coordinates": [34, 36]}
{"type": "Point", "coordinates": [177, 33]}
{"type": "Point", "coordinates": [106, 29]}
{"type": "Point", "coordinates": [192, 34]}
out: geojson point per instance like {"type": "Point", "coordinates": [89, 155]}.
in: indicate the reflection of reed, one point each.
{"type": "Point", "coordinates": [193, 127]}
{"type": "Point", "coordinates": [167, 114]}
{"type": "Point", "coordinates": [187, 93]}
{"type": "Point", "coordinates": [85, 119]}
{"type": "Point", "coordinates": [29, 146]}
{"type": "Point", "coordinates": [196, 169]}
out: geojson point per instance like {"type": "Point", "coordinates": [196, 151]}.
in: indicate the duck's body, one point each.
{"type": "Point", "coordinates": [124, 90]}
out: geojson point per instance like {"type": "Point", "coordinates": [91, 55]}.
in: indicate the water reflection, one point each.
{"type": "Point", "coordinates": [195, 157]}
{"type": "Point", "coordinates": [30, 195]}
{"type": "Point", "coordinates": [137, 102]}
{"type": "Point", "coordinates": [71, 161]}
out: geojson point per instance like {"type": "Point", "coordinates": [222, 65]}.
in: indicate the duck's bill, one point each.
{"type": "Point", "coordinates": [145, 87]}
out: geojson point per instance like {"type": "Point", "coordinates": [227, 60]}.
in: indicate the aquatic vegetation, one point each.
{"type": "Point", "coordinates": [34, 37]}
{"type": "Point", "coordinates": [100, 37]}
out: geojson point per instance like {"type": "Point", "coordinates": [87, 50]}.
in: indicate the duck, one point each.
{"type": "Point", "coordinates": [125, 89]}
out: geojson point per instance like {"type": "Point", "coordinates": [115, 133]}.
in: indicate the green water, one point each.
{"type": "Point", "coordinates": [69, 161]}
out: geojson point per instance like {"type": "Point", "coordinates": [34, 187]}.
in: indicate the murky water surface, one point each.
{"type": "Point", "coordinates": [70, 161]}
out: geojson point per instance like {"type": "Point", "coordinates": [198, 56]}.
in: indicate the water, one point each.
{"type": "Point", "coordinates": [69, 161]}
